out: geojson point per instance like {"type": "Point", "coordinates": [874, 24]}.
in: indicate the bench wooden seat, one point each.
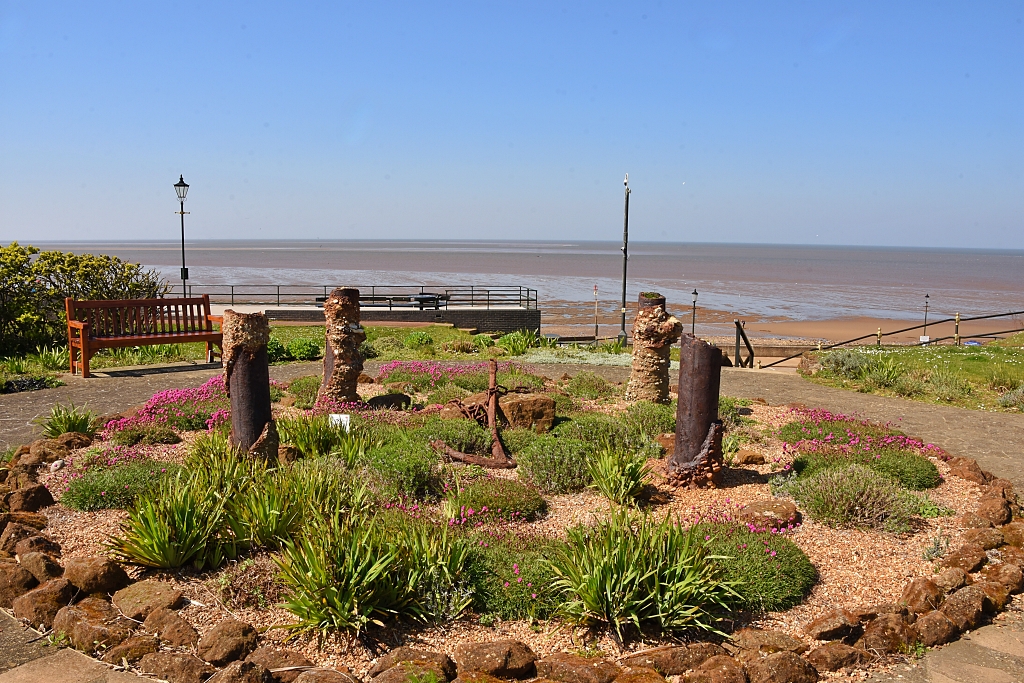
{"type": "Point", "coordinates": [120, 323]}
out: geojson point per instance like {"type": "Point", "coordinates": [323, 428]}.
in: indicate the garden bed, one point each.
{"type": "Point", "coordinates": [856, 511]}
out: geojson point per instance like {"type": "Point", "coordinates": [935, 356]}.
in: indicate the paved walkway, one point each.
{"type": "Point", "coordinates": [991, 654]}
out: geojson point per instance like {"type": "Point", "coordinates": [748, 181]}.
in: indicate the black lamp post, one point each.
{"type": "Point", "coordinates": [181, 187]}
{"type": "Point", "coordinates": [625, 258]}
{"type": "Point", "coordinates": [693, 320]}
{"type": "Point", "coordinates": [925, 332]}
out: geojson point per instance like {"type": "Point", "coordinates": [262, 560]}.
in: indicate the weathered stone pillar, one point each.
{"type": "Point", "coordinates": [697, 458]}
{"type": "Point", "coordinates": [247, 381]}
{"type": "Point", "coordinates": [654, 332]}
{"type": "Point", "coordinates": [342, 362]}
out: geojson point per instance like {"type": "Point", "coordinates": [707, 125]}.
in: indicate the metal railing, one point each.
{"type": "Point", "coordinates": [956, 337]}
{"type": "Point", "coordinates": [474, 296]}
{"type": "Point", "coordinates": [742, 334]}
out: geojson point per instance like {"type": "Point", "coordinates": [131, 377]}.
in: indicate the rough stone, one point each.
{"type": "Point", "coordinates": [969, 558]}
{"type": "Point", "coordinates": [995, 510]}
{"type": "Point", "coordinates": [640, 674]}
{"type": "Point", "coordinates": [36, 520]}
{"type": "Point", "coordinates": [718, 669]}
{"type": "Point", "coordinates": [571, 668]}
{"type": "Point", "coordinates": [326, 676]}
{"type": "Point", "coordinates": [138, 600]}
{"type": "Point", "coordinates": [654, 332]}
{"type": "Point", "coordinates": [410, 654]}
{"type": "Point", "coordinates": [837, 624]}
{"type": "Point", "coordinates": [29, 499]}
{"type": "Point", "coordinates": [967, 468]}
{"type": "Point", "coordinates": [41, 566]}
{"type": "Point", "coordinates": [748, 457]}
{"type": "Point", "coordinates": [769, 514]}
{"type": "Point", "coordinates": [15, 581]}
{"type": "Point", "coordinates": [964, 607]}
{"type": "Point", "coordinates": [45, 450]}
{"type": "Point", "coordinates": [176, 667]}
{"type": "Point", "coordinates": [287, 454]}
{"type": "Point", "coordinates": [667, 443]}
{"type": "Point", "coordinates": [273, 657]}
{"type": "Point", "coordinates": [172, 629]}
{"type": "Point", "coordinates": [40, 605]}
{"type": "Point", "coordinates": [1012, 554]}
{"type": "Point", "coordinates": [935, 628]}
{"type": "Point", "coordinates": [950, 579]}
{"type": "Point", "coordinates": [132, 650]}
{"type": "Point", "coordinates": [753, 643]}
{"type": "Point", "coordinates": [835, 656]}
{"type": "Point", "coordinates": [998, 595]}
{"type": "Point", "coordinates": [74, 440]}
{"type": "Point", "coordinates": [782, 667]}
{"type": "Point", "coordinates": [988, 539]}
{"type": "Point", "coordinates": [1000, 488]}
{"type": "Point", "coordinates": [922, 595]}
{"type": "Point", "coordinates": [501, 658]}
{"type": "Point", "coordinates": [37, 544]}
{"type": "Point", "coordinates": [95, 574]}
{"type": "Point", "coordinates": [411, 672]}
{"type": "Point", "coordinates": [1009, 575]}
{"type": "Point", "coordinates": [1013, 533]}
{"type": "Point", "coordinates": [13, 533]}
{"type": "Point", "coordinates": [91, 624]}
{"type": "Point", "coordinates": [887, 634]}
{"type": "Point", "coordinates": [227, 641]}
{"type": "Point", "coordinates": [365, 379]}
{"type": "Point", "coordinates": [969, 520]}
{"type": "Point", "coordinates": [243, 672]}
{"type": "Point", "coordinates": [673, 660]}
{"type": "Point", "coordinates": [531, 411]}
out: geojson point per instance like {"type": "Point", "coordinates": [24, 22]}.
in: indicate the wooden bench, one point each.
{"type": "Point", "coordinates": [113, 324]}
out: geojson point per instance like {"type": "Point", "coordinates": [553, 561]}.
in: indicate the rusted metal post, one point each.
{"type": "Point", "coordinates": [498, 451]}
{"type": "Point", "coordinates": [247, 381]}
{"type": "Point", "coordinates": [654, 332]}
{"type": "Point", "coordinates": [342, 361]}
{"type": "Point", "coordinates": [697, 457]}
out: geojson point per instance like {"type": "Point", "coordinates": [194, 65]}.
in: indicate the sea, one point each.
{"type": "Point", "coordinates": [763, 281]}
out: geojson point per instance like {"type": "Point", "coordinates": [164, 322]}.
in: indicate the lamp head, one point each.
{"type": "Point", "coordinates": [626, 180]}
{"type": "Point", "coordinates": [181, 187]}
{"type": "Point", "coordinates": [695, 296]}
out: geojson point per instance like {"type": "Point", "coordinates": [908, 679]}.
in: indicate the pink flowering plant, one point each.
{"type": "Point", "coordinates": [190, 409]}
{"type": "Point", "coordinates": [103, 478]}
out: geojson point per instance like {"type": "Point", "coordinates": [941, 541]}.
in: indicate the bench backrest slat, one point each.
{"type": "Point", "coordinates": [134, 317]}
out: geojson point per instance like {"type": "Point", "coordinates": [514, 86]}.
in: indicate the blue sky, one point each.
{"type": "Point", "coordinates": [801, 122]}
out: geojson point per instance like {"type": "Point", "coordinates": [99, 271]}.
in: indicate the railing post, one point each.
{"type": "Point", "coordinates": [879, 338]}
{"type": "Point", "coordinates": [736, 359]}
{"type": "Point", "coordinates": [279, 295]}
{"type": "Point", "coordinates": [956, 330]}
{"type": "Point", "coordinates": [232, 295]}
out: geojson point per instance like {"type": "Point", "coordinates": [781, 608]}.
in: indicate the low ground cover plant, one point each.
{"type": "Point", "coordinates": [495, 498]}
{"type": "Point", "coordinates": [853, 497]}
{"type": "Point", "coordinates": [192, 409]}
{"type": "Point", "coordinates": [304, 389]}
{"type": "Point", "coordinates": [590, 386]}
{"type": "Point", "coordinates": [556, 465]}
{"type": "Point", "coordinates": [146, 434]}
{"type": "Point", "coordinates": [115, 487]}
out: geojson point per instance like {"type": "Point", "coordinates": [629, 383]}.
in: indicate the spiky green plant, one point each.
{"type": "Point", "coordinates": [619, 476]}
{"type": "Point", "coordinates": [69, 418]}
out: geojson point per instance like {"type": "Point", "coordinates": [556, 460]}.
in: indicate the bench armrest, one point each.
{"type": "Point", "coordinates": [219, 319]}
{"type": "Point", "coordinates": [78, 324]}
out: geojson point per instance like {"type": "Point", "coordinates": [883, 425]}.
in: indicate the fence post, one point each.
{"type": "Point", "coordinates": [956, 330]}
{"type": "Point", "coordinates": [736, 359]}
{"type": "Point", "coordinates": [879, 337]}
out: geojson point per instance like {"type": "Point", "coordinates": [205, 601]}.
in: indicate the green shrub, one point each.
{"type": "Point", "coordinates": [367, 350]}
{"type": "Point", "coordinates": [519, 342]}
{"type": "Point", "coordinates": [646, 421]}
{"type": "Point", "coordinates": [564, 403]}
{"type": "Point", "coordinates": [387, 345]}
{"type": "Point", "coordinates": [556, 464]}
{"type": "Point", "coordinates": [730, 411]}
{"type": "Point", "coordinates": [1013, 398]}
{"type": "Point", "coordinates": [518, 439]}
{"type": "Point", "coordinates": [631, 571]}
{"type": "Point", "coordinates": [948, 385]}
{"type": "Point", "coordinates": [884, 373]}
{"type": "Point", "coordinates": [179, 525]}
{"type": "Point", "coordinates": [855, 497]}
{"type": "Point", "coordinates": [927, 508]}
{"type": "Point", "coordinates": [483, 341]}
{"type": "Point", "coordinates": [909, 385]}
{"type": "Point", "coordinates": [266, 513]}
{"type": "Point", "coordinates": [619, 476]}
{"type": "Point", "coordinates": [403, 468]}
{"type": "Point", "coordinates": [505, 498]}
{"type": "Point", "coordinates": [463, 435]}
{"type": "Point", "coordinates": [313, 436]}
{"type": "Point", "coordinates": [51, 358]}
{"type": "Point", "coordinates": [325, 486]}
{"type": "Point", "coordinates": [304, 389]}
{"type": "Point", "coordinates": [276, 392]}
{"type": "Point", "coordinates": [445, 394]}
{"type": "Point", "coordinates": [69, 418]}
{"type": "Point", "coordinates": [148, 434]}
{"type": "Point", "coordinates": [587, 385]}
{"type": "Point", "coordinates": [594, 428]}
{"type": "Point", "coordinates": [510, 577]}
{"type": "Point", "coordinates": [304, 349]}
{"type": "Point", "coordinates": [115, 487]}
{"type": "Point", "coordinates": [769, 572]}
{"type": "Point", "coordinates": [847, 363]}
{"type": "Point", "coordinates": [276, 352]}
{"type": "Point", "coordinates": [417, 340]}
{"type": "Point", "coordinates": [910, 470]}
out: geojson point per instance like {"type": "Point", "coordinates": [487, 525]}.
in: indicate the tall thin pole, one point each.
{"type": "Point", "coordinates": [925, 331]}
{"type": "Point", "coordinates": [596, 334]}
{"type": "Point", "coordinates": [625, 258]}
{"type": "Point", "coordinates": [184, 270]}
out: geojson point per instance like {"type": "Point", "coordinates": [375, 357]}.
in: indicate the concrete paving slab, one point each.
{"type": "Point", "coordinates": [67, 666]}
{"type": "Point", "coordinates": [19, 644]}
